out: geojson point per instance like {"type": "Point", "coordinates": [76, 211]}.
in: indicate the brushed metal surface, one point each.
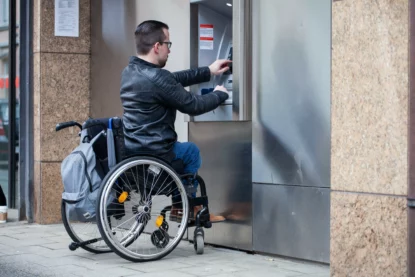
{"type": "Point", "coordinates": [242, 75]}
{"type": "Point", "coordinates": [226, 168]}
{"type": "Point", "coordinates": [292, 221]}
{"type": "Point", "coordinates": [291, 92]}
{"type": "Point", "coordinates": [112, 42]}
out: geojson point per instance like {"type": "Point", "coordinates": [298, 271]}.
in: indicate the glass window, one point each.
{"type": "Point", "coordinates": [4, 12]}
{"type": "Point", "coordinates": [11, 189]}
{"type": "Point", "coordinates": [4, 111]}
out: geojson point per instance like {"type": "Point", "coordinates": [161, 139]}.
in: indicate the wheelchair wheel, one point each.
{"type": "Point", "coordinates": [139, 191]}
{"type": "Point", "coordinates": [199, 240]}
{"type": "Point", "coordinates": [199, 245]}
{"type": "Point", "coordinates": [81, 232]}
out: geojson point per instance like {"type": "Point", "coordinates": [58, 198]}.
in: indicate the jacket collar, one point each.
{"type": "Point", "coordinates": [137, 60]}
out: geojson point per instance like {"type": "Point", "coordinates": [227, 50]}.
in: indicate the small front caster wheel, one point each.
{"type": "Point", "coordinates": [160, 239]}
{"type": "Point", "coordinates": [199, 244]}
{"type": "Point", "coordinates": [73, 246]}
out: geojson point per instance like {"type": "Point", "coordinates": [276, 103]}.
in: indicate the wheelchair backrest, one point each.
{"type": "Point", "coordinates": [96, 125]}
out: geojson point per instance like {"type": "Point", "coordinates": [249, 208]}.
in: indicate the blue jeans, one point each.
{"type": "Point", "coordinates": [189, 153]}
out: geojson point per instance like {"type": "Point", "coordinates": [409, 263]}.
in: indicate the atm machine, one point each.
{"type": "Point", "coordinates": [219, 30]}
{"type": "Point", "coordinates": [266, 150]}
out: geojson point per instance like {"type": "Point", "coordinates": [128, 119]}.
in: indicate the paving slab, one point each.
{"type": "Point", "coordinates": [42, 250]}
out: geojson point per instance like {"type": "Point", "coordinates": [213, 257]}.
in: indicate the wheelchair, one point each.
{"type": "Point", "coordinates": [133, 207]}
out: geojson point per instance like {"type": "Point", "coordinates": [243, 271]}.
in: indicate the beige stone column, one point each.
{"type": "Point", "coordinates": [61, 70]}
{"type": "Point", "coordinates": [369, 168]}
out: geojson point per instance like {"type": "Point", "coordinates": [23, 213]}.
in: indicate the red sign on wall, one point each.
{"type": "Point", "coordinates": [206, 36]}
{"type": "Point", "coordinates": [4, 83]}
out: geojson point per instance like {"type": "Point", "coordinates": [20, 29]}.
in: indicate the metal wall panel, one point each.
{"type": "Point", "coordinates": [291, 101]}
{"type": "Point", "coordinates": [226, 168]}
{"type": "Point", "coordinates": [292, 221]}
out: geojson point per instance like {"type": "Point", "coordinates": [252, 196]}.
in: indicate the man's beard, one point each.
{"type": "Point", "coordinates": [162, 63]}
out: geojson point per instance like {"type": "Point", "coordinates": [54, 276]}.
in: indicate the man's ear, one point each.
{"type": "Point", "coordinates": [156, 47]}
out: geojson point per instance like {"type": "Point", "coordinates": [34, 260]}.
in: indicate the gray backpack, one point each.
{"type": "Point", "coordinates": [81, 181]}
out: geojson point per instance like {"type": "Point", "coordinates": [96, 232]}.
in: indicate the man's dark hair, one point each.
{"type": "Point", "coordinates": [147, 34]}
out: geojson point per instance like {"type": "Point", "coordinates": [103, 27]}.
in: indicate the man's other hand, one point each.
{"type": "Point", "coordinates": [219, 66]}
{"type": "Point", "coordinates": [221, 88]}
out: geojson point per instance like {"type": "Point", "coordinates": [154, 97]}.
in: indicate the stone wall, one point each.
{"type": "Point", "coordinates": [61, 93]}
{"type": "Point", "coordinates": [369, 166]}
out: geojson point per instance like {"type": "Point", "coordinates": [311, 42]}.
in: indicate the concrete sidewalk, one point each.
{"type": "Point", "coordinates": [42, 250]}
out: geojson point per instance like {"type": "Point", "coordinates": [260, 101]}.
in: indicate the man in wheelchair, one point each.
{"type": "Point", "coordinates": [151, 95]}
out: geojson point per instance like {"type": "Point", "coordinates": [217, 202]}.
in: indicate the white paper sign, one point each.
{"type": "Point", "coordinates": [206, 44]}
{"type": "Point", "coordinates": [206, 37]}
{"type": "Point", "coordinates": [67, 18]}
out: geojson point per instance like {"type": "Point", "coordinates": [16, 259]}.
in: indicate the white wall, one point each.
{"type": "Point", "coordinates": [113, 26]}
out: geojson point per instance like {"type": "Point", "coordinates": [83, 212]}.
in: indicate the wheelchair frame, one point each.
{"type": "Point", "coordinates": [201, 219]}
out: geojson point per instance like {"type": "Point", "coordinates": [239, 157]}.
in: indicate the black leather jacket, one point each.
{"type": "Point", "coordinates": [150, 97]}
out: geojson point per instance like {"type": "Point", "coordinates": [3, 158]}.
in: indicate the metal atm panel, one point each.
{"type": "Point", "coordinates": [224, 135]}
{"type": "Point", "coordinates": [226, 153]}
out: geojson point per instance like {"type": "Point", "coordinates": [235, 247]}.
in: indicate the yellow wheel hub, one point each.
{"type": "Point", "coordinates": [123, 196]}
{"type": "Point", "coordinates": [159, 220]}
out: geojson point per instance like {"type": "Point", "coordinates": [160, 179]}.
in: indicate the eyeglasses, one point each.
{"type": "Point", "coordinates": [166, 42]}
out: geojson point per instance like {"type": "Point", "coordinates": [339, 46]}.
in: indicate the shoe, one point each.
{"type": "Point", "coordinates": [216, 218]}
{"type": "Point", "coordinates": [237, 217]}
{"type": "Point", "coordinates": [212, 218]}
{"type": "Point", "coordinates": [176, 214]}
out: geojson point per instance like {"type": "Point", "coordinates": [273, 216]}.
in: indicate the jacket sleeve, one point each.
{"type": "Point", "coordinates": [172, 94]}
{"type": "Point", "coordinates": [192, 76]}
